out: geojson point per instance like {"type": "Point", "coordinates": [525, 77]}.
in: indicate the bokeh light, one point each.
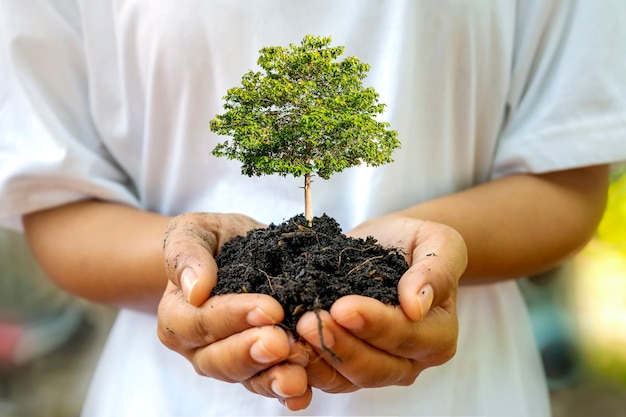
{"type": "Point", "coordinates": [600, 288]}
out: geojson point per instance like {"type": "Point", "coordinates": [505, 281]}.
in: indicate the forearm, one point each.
{"type": "Point", "coordinates": [104, 252]}
{"type": "Point", "coordinates": [522, 224]}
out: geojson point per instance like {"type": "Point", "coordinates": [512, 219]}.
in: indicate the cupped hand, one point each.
{"type": "Point", "coordinates": [234, 337]}
{"type": "Point", "coordinates": [190, 243]}
{"type": "Point", "coordinates": [369, 344]}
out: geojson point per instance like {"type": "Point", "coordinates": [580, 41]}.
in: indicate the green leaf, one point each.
{"type": "Point", "coordinates": [306, 112]}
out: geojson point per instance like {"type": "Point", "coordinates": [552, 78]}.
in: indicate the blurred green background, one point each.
{"type": "Point", "coordinates": [600, 288]}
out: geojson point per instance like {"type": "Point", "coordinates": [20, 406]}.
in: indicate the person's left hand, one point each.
{"type": "Point", "coordinates": [370, 344]}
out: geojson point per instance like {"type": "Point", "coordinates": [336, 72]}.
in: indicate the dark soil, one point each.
{"type": "Point", "coordinates": [308, 268]}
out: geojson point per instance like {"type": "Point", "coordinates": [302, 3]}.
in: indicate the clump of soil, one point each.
{"type": "Point", "coordinates": [308, 268]}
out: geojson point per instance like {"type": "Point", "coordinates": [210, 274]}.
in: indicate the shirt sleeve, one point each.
{"type": "Point", "coordinates": [50, 152]}
{"type": "Point", "coordinates": [567, 103]}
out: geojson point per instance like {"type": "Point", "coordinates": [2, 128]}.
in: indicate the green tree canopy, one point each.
{"type": "Point", "coordinates": [305, 113]}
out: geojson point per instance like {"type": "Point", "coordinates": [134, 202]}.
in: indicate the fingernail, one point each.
{"type": "Point", "coordinates": [277, 390]}
{"type": "Point", "coordinates": [259, 353]}
{"type": "Point", "coordinates": [258, 317]}
{"type": "Point", "coordinates": [425, 299]}
{"type": "Point", "coordinates": [188, 280]}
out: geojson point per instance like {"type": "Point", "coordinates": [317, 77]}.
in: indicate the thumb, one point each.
{"type": "Point", "coordinates": [191, 241]}
{"type": "Point", "coordinates": [439, 259]}
{"type": "Point", "coordinates": [189, 248]}
{"type": "Point", "coordinates": [197, 281]}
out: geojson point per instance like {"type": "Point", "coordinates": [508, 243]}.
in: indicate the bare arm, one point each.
{"type": "Point", "coordinates": [114, 254]}
{"type": "Point", "coordinates": [101, 251]}
{"type": "Point", "coordinates": [522, 224]}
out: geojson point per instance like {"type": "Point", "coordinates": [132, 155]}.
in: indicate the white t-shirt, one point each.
{"type": "Point", "coordinates": [112, 100]}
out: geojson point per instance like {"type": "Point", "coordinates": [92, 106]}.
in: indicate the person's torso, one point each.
{"type": "Point", "coordinates": [158, 72]}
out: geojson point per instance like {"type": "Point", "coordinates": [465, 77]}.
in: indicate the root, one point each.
{"type": "Point", "coordinates": [363, 263]}
{"type": "Point", "coordinates": [325, 348]}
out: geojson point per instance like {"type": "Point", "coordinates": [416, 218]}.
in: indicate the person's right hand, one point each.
{"type": "Point", "coordinates": [232, 337]}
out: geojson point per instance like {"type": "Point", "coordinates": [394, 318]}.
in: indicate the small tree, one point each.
{"type": "Point", "coordinates": [306, 113]}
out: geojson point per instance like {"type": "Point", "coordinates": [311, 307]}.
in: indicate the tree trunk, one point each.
{"type": "Point", "coordinates": [308, 206]}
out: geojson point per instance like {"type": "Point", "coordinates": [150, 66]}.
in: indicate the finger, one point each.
{"type": "Point", "coordinates": [189, 248]}
{"type": "Point", "coordinates": [288, 382]}
{"type": "Point", "coordinates": [326, 378]}
{"type": "Point", "coordinates": [222, 338]}
{"type": "Point", "coordinates": [360, 363]}
{"type": "Point", "coordinates": [242, 355]}
{"type": "Point", "coordinates": [280, 381]}
{"type": "Point", "coordinates": [182, 327]}
{"type": "Point", "coordinates": [438, 260]}
{"type": "Point", "coordinates": [299, 353]}
{"type": "Point", "coordinates": [299, 403]}
{"type": "Point", "coordinates": [430, 341]}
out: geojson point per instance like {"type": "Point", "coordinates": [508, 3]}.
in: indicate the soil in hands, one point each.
{"type": "Point", "coordinates": [308, 268]}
